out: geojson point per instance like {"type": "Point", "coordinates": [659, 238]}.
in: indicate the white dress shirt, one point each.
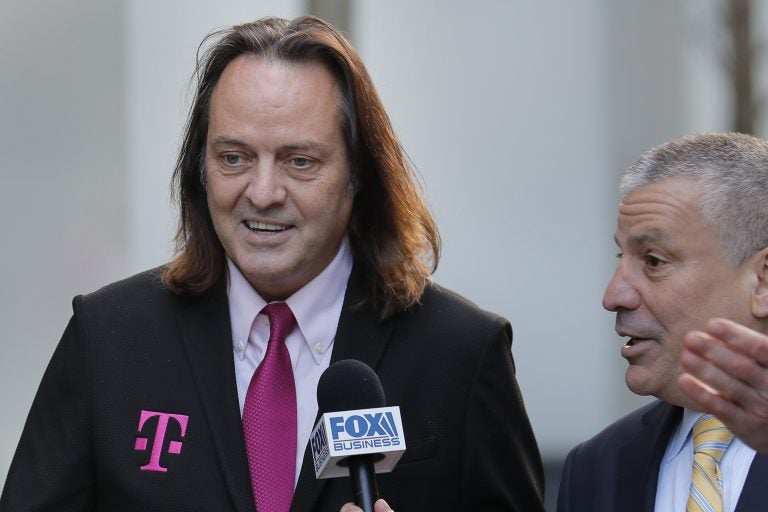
{"type": "Point", "coordinates": [677, 467]}
{"type": "Point", "coordinates": [317, 308]}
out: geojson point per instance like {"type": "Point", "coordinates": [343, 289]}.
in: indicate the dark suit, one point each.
{"type": "Point", "coordinates": [134, 347]}
{"type": "Point", "coordinates": [618, 469]}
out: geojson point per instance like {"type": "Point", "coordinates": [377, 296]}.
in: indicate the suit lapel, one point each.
{"type": "Point", "coordinates": [753, 495]}
{"type": "Point", "coordinates": [639, 467]}
{"type": "Point", "coordinates": [359, 336]}
{"type": "Point", "coordinates": [206, 334]}
{"type": "Point", "coordinates": [640, 459]}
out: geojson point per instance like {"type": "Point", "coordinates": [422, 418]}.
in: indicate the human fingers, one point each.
{"type": "Point", "coordinates": [749, 425]}
{"type": "Point", "coordinates": [726, 369]}
{"type": "Point", "coordinates": [382, 506]}
{"type": "Point", "coordinates": [379, 506]}
{"type": "Point", "coordinates": [749, 342]}
{"type": "Point", "coordinates": [705, 398]}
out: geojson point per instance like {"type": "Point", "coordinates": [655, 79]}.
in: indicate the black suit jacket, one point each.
{"type": "Point", "coordinates": [133, 349]}
{"type": "Point", "coordinates": [618, 469]}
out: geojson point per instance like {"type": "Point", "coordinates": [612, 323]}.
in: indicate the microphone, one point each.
{"type": "Point", "coordinates": [356, 435]}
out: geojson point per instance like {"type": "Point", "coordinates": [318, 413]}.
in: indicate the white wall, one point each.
{"type": "Point", "coordinates": [500, 106]}
{"type": "Point", "coordinates": [519, 115]}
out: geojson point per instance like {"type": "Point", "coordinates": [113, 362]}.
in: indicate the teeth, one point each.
{"type": "Point", "coordinates": [263, 226]}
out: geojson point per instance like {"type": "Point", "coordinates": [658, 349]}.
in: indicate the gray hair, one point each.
{"type": "Point", "coordinates": [732, 169]}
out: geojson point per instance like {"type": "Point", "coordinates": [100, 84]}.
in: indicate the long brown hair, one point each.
{"type": "Point", "coordinates": [394, 239]}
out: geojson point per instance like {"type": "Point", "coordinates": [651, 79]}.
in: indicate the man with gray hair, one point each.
{"type": "Point", "coordinates": [690, 295]}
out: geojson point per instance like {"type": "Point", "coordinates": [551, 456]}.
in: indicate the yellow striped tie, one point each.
{"type": "Point", "coordinates": [710, 440]}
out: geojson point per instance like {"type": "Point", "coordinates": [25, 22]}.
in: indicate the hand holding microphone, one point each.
{"type": "Point", "coordinates": [356, 434]}
{"type": "Point", "coordinates": [379, 506]}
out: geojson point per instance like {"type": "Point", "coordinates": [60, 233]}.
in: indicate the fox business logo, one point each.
{"type": "Point", "coordinates": [359, 431]}
{"type": "Point", "coordinates": [338, 435]}
{"type": "Point", "coordinates": [320, 450]}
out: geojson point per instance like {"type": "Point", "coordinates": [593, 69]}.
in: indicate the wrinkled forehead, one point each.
{"type": "Point", "coordinates": [670, 197]}
{"type": "Point", "coordinates": [661, 211]}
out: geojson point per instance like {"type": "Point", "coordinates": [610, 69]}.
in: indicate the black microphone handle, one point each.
{"type": "Point", "coordinates": [363, 481]}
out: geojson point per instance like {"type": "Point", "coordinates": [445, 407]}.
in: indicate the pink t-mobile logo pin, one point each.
{"type": "Point", "coordinates": [174, 447]}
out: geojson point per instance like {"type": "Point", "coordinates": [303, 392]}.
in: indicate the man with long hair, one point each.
{"type": "Point", "coordinates": [303, 239]}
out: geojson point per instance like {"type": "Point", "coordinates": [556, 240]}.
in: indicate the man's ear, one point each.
{"type": "Point", "coordinates": [760, 296]}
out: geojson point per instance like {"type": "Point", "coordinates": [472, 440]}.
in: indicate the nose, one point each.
{"type": "Point", "coordinates": [620, 293]}
{"type": "Point", "coordinates": [266, 186]}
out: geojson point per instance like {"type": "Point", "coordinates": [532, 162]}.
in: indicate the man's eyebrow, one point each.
{"type": "Point", "coordinates": [318, 147]}
{"type": "Point", "coordinates": [650, 236]}
{"type": "Point", "coordinates": [228, 140]}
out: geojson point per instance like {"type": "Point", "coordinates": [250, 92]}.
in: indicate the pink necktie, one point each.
{"type": "Point", "coordinates": [269, 418]}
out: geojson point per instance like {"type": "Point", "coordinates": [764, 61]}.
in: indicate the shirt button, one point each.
{"type": "Point", "coordinates": [319, 348]}
{"type": "Point", "coordinates": [239, 346]}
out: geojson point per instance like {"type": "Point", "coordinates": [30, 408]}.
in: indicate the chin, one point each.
{"type": "Point", "coordinates": [639, 382]}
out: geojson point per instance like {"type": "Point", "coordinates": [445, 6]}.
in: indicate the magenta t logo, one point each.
{"type": "Point", "coordinates": [174, 447]}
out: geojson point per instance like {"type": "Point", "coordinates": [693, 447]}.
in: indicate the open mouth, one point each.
{"type": "Point", "coordinates": [631, 342]}
{"type": "Point", "coordinates": [265, 227]}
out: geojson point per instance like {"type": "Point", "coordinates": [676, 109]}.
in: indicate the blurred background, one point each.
{"type": "Point", "coordinates": [519, 116]}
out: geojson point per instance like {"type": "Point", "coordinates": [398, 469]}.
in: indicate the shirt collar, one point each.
{"type": "Point", "coordinates": [316, 306]}
{"type": "Point", "coordinates": [683, 433]}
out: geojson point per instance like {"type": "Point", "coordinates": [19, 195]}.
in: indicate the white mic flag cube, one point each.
{"type": "Point", "coordinates": [338, 435]}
